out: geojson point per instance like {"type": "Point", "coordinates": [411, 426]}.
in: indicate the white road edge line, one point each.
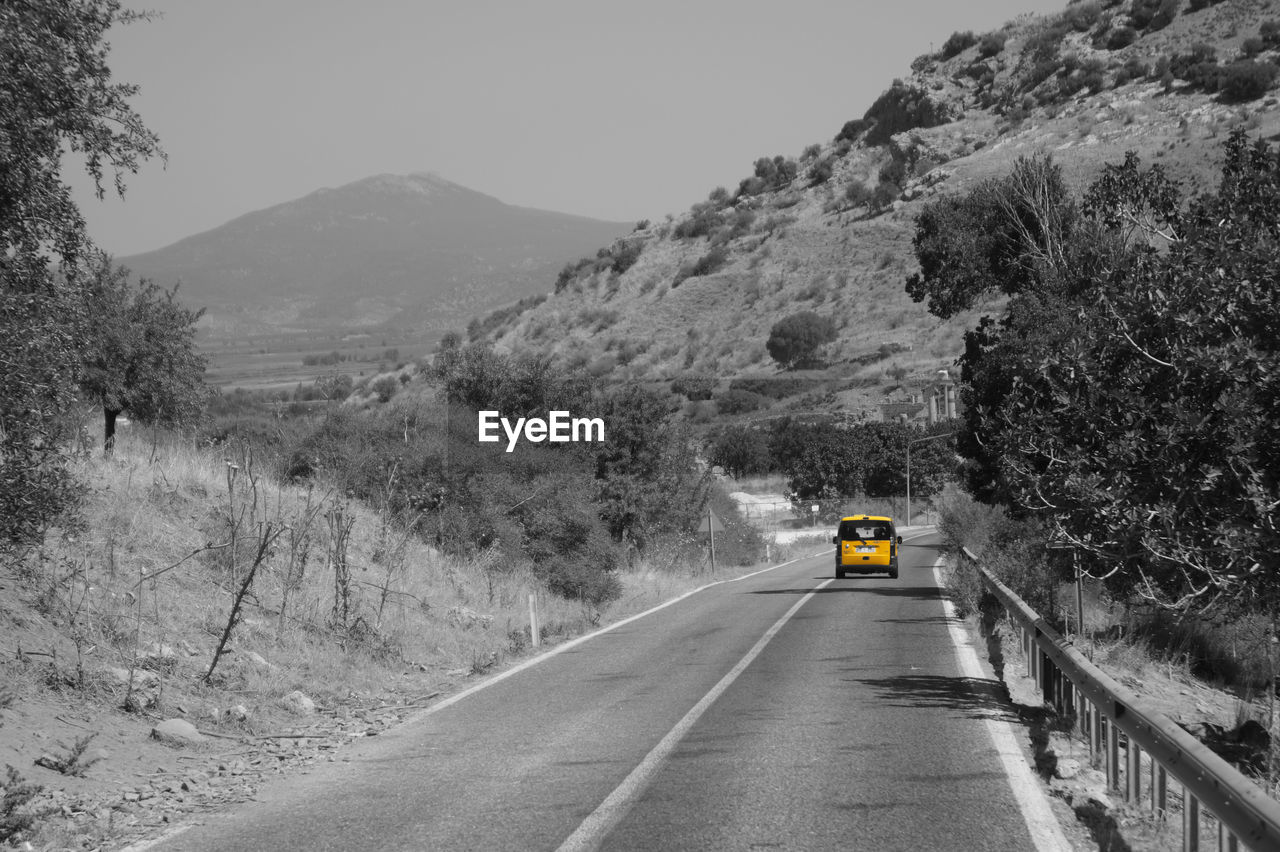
{"type": "Point", "coordinates": [573, 643]}
{"type": "Point", "coordinates": [1045, 830]}
{"type": "Point", "coordinates": [143, 845]}
{"type": "Point", "coordinates": [609, 812]}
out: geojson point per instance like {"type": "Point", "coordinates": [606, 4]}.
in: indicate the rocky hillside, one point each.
{"type": "Point", "coordinates": [830, 230]}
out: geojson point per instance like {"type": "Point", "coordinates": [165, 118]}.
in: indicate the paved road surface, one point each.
{"type": "Point", "coordinates": [715, 723]}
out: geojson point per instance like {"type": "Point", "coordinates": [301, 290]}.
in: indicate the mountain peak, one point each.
{"type": "Point", "coordinates": [426, 184]}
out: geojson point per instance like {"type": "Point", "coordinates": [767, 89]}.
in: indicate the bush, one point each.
{"type": "Point", "coordinates": [903, 107]}
{"type": "Point", "coordinates": [1153, 15]}
{"type": "Point", "coordinates": [738, 401]}
{"type": "Point", "coordinates": [991, 44]}
{"type": "Point", "coordinates": [1246, 80]}
{"type": "Point", "coordinates": [821, 172]}
{"type": "Point", "coordinates": [624, 254]}
{"type": "Point", "coordinates": [1121, 37]}
{"type": "Point", "coordinates": [957, 42]}
{"type": "Point", "coordinates": [795, 341]}
{"type": "Point", "coordinates": [858, 194]}
{"type": "Point", "coordinates": [1251, 47]}
{"type": "Point", "coordinates": [1269, 32]}
{"type": "Point", "coordinates": [703, 218]}
{"type": "Point", "coordinates": [694, 388]}
{"type": "Point", "coordinates": [710, 262]}
{"type": "Point", "coordinates": [1045, 45]}
{"type": "Point", "coordinates": [770, 174]}
{"type": "Point", "coordinates": [1197, 5]}
{"type": "Point", "coordinates": [894, 172]}
{"type": "Point", "coordinates": [884, 195]}
{"type": "Point", "coordinates": [1133, 69]}
{"type": "Point", "coordinates": [1082, 16]}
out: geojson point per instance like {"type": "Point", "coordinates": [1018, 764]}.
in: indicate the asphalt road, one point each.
{"type": "Point", "coordinates": [758, 713]}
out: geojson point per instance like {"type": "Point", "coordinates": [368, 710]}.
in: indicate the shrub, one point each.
{"type": "Point", "coordinates": [703, 218]}
{"type": "Point", "coordinates": [1153, 15]}
{"type": "Point", "coordinates": [1082, 16]}
{"type": "Point", "coordinates": [694, 388]}
{"type": "Point", "coordinates": [811, 152]}
{"type": "Point", "coordinates": [623, 255]}
{"type": "Point", "coordinates": [773, 173]}
{"type": "Point", "coordinates": [1160, 69]}
{"type": "Point", "coordinates": [1251, 47]}
{"type": "Point", "coordinates": [738, 401]}
{"type": "Point", "coordinates": [571, 271]}
{"type": "Point", "coordinates": [1045, 45]}
{"type": "Point", "coordinates": [1040, 72]}
{"type": "Point", "coordinates": [957, 42]}
{"type": "Point", "coordinates": [1269, 32]}
{"type": "Point", "coordinates": [1197, 5]}
{"type": "Point", "coordinates": [853, 128]}
{"type": "Point", "coordinates": [903, 107]}
{"type": "Point", "coordinates": [894, 172]}
{"type": "Point", "coordinates": [922, 62]}
{"type": "Point", "coordinates": [710, 262]}
{"type": "Point", "coordinates": [821, 172]}
{"type": "Point", "coordinates": [991, 44]}
{"type": "Point", "coordinates": [794, 341]}
{"type": "Point", "coordinates": [858, 194]}
{"type": "Point", "coordinates": [1246, 80]}
{"type": "Point", "coordinates": [1121, 37]}
{"type": "Point", "coordinates": [884, 195]}
{"type": "Point", "coordinates": [385, 387]}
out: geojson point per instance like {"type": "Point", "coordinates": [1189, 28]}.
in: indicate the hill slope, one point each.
{"type": "Point", "coordinates": [830, 231]}
{"type": "Point", "coordinates": [390, 252]}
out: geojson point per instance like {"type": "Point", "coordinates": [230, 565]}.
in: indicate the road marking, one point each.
{"type": "Point", "coordinates": [1045, 830]}
{"type": "Point", "coordinates": [603, 819]}
{"type": "Point", "coordinates": [573, 643]}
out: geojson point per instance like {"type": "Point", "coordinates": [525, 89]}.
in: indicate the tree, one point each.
{"type": "Point", "coordinates": [741, 451]}
{"type": "Point", "coordinates": [1133, 407]}
{"type": "Point", "coordinates": [647, 474]}
{"type": "Point", "coordinates": [139, 353]}
{"type": "Point", "coordinates": [1007, 235]}
{"type": "Point", "coordinates": [56, 95]}
{"type": "Point", "coordinates": [794, 341]}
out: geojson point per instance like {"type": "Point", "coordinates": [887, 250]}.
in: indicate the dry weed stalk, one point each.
{"type": "Point", "coordinates": [299, 550]}
{"type": "Point", "coordinates": [264, 531]}
{"type": "Point", "coordinates": [340, 523]}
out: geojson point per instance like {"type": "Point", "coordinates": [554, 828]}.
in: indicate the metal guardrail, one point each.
{"type": "Point", "coordinates": [1104, 710]}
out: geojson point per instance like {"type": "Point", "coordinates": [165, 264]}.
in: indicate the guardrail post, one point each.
{"type": "Point", "coordinates": [1190, 822]}
{"type": "Point", "coordinates": [1132, 771]}
{"type": "Point", "coordinates": [1241, 814]}
{"type": "Point", "coordinates": [1113, 755]}
{"type": "Point", "coordinates": [1227, 841]}
{"type": "Point", "coordinates": [1159, 789]}
{"type": "Point", "coordinates": [1095, 730]}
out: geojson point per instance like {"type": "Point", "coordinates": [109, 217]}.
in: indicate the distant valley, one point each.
{"type": "Point", "coordinates": [390, 262]}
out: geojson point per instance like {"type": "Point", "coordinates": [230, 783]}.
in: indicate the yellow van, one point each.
{"type": "Point", "coordinates": [866, 544]}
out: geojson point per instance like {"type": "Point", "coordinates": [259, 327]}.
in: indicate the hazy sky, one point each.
{"type": "Point", "coordinates": [615, 110]}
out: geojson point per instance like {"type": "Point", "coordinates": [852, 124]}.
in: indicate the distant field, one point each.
{"type": "Point", "coordinates": [277, 361]}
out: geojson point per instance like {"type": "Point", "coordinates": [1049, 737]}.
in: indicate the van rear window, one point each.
{"type": "Point", "coordinates": [866, 530]}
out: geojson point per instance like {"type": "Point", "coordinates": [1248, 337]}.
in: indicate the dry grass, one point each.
{"type": "Point", "coordinates": [136, 585]}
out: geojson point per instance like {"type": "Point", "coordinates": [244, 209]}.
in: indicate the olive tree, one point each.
{"type": "Point", "coordinates": [56, 95]}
